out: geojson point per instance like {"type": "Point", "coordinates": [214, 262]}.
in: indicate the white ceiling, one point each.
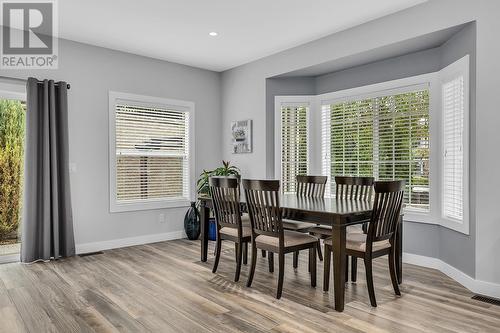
{"type": "Point", "coordinates": [177, 30]}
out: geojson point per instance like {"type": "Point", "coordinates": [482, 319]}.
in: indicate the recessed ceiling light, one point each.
{"type": "Point", "coordinates": [213, 34]}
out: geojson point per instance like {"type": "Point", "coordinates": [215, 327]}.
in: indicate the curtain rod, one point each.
{"type": "Point", "coordinates": [23, 80]}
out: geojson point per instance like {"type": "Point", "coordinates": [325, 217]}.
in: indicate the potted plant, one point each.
{"type": "Point", "coordinates": [225, 170]}
{"type": "Point", "coordinates": [192, 218]}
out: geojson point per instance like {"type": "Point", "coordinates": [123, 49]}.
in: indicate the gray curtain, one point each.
{"type": "Point", "coordinates": [47, 225]}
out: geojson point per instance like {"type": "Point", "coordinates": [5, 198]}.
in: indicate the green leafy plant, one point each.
{"type": "Point", "coordinates": [12, 118]}
{"type": "Point", "coordinates": [225, 170]}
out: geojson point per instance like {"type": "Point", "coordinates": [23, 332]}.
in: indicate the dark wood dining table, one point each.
{"type": "Point", "coordinates": [338, 213]}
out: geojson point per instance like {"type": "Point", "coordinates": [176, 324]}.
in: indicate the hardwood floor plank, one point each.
{"type": "Point", "coordinates": [114, 314]}
{"type": "Point", "coordinates": [95, 320]}
{"type": "Point", "coordinates": [33, 315]}
{"type": "Point", "coordinates": [11, 321]}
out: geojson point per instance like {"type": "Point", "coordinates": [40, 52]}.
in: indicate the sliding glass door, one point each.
{"type": "Point", "coordinates": [12, 133]}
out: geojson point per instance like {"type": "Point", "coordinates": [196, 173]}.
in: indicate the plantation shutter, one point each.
{"type": "Point", "coordinates": [326, 149]}
{"type": "Point", "coordinates": [403, 144]}
{"type": "Point", "coordinates": [294, 155]}
{"type": "Point", "coordinates": [152, 153]}
{"type": "Point", "coordinates": [386, 137]}
{"type": "Point", "coordinates": [453, 146]}
{"type": "Point", "coordinates": [347, 140]}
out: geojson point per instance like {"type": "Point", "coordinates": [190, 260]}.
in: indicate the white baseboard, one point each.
{"type": "Point", "coordinates": [476, 286]}
{"type": "Point", "coordinates": [130, 241]}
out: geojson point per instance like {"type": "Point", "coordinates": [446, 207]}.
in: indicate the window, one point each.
{"type": "Point", "coordinates": [453, 126]}
{"type": "Point", "coordinates": [150, 152]}
{"type": "Point", "coordinates": [386, 137]}
{"type": "Point", "coordinates": [455, 142]}
{"type": "Point", "coordinates": [293, 138]}
{"type": "Point", "coordinates": [12, 146]}
{"type": "Point", "coordinates": [415, 129]}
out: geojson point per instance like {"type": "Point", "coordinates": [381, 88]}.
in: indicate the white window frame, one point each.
{"type": "Point", "coordinates": [16, 92]}
{"type": "Point", "coordinates": [13, 91]}
{"type": "Point", "coordinates": [149, 101]}
{"type": "Point", "coordinates": [293, 101]}
{"type": "Point", "coordinates": [420, 82]}
{"type": "Point", "coordinates": [432, 82]}
{"type": "Point", "coordinates": [458, 68]}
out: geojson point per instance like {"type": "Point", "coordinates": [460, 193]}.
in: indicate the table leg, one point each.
{"type": "Point", "coordinates": [204, 214]}
{"type": "Point", "coordinates": [399, 251]}
{"type": "Point", "coordinates": [339, 263]}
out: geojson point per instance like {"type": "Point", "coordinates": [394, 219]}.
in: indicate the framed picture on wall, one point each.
{"type": "Point", "coordinates": [241, 134]}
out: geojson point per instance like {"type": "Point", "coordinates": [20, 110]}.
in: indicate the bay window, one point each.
{"type": "Point", "coordinates": [413, 129]}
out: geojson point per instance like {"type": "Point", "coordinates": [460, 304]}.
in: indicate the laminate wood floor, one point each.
{"type": "Point", "coordinates": [163, 287]}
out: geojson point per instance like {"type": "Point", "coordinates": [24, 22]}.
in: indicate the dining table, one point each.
{"type": "Point", "coordinates": [337, 213]}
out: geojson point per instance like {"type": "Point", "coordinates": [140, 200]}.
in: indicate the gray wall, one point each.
{"type": "Point", "coordinates": [92, 72]}
{"type": "Point", "coordinates": [408, 65]}
{"type": "Point", "coordinates": [247, 84]}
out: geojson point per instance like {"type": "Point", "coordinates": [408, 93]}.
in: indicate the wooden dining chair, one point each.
{"type": "Point", "coordinates": [245, 219]}
{"type": "Point", "coordinates": [310, 187]}
{"type": "Point", "coordinates": [225, 193]}
{"type": "Point", "coordinates": [380, 238]}
{"type": "Point", "coordinates": [353, 188]}
{"type": "Point", "coordinates": [262, 197]}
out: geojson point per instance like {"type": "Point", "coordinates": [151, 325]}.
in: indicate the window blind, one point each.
{"type": "Point", "coordinates": [386, 137]}
{"type": "Point", "coordinates": [152, 153]}
{"type": "Point", "coordinates": [294, 154]}
{"type": "Point", "coordinates": [453, 155]}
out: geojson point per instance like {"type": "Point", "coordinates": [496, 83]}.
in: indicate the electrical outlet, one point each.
{"type": "Point", "coordinates": [161, 218]}
{"type": "Point", "coordinates": [72, 167]}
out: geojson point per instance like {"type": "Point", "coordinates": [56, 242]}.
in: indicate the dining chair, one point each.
{"type": "Point", "coordinates": [353, 188]}
{"type": "Point", "coordinates": [262, 198]}
{"type": "Point", "coordinates": [380, 239]}
{"type": "Point", "coordinates": [245, 219]}
{"type": "Point", "coordinates": [310, 187]}
{"type": "Point", "coordinates": [225, 193]}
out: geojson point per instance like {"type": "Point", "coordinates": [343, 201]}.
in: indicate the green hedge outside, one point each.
{"type": "Point", "coordinates": [12, 125]}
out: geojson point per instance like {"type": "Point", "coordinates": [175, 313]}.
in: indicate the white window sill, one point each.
{"type": "Point", "coordinates": [148, 205]}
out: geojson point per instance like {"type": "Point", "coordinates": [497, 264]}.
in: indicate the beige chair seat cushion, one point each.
{"type": "Point", "coordinates": [327, 230]}
{"type": "Point", "coordinates": [296, 225]}
{"type": "Point", "coordinates": [292, 238]}
{"type": "Point", "coordinates": [245, 220]}
{"type": "Point", "coordinates": [355, 229]}
{"type": "Point", "coordinates": [357, 242]}
{"type": "Point", "coordinates": [247, 231]}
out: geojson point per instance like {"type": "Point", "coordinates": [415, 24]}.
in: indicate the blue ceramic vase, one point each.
{"type": "Point", "coordinates": [192, 222]}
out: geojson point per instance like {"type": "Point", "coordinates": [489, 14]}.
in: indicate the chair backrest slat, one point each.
{"type": "Point", "coordinates": [386, 210]}
{"type": "Point", "coordinates": [225, 193]}
{"type": "Point", "coordinates": [311, 186]}
{"type": "Point", "coordinates": [262, 198]}
{"type": "Point", "coordinates": [355, 188]}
